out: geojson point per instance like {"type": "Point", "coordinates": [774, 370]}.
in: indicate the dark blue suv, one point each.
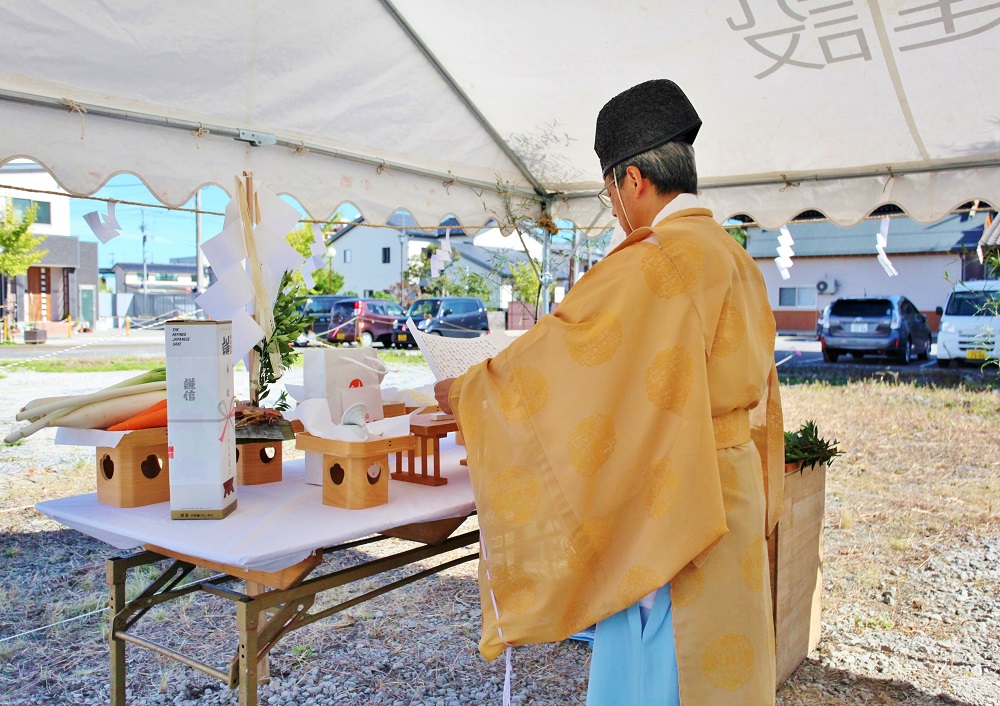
{"type": "Point", "coordinates": [457, 317]}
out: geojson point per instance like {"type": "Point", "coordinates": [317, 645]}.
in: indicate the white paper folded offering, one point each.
{"type": "Point", "coordinates": [315, 417]}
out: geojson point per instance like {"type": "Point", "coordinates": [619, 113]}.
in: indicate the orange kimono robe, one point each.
{"type": "Point", "coordinates": [610, 452]}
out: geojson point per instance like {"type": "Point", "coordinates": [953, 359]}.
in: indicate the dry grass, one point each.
{"type": "Point", "coordinates": [919, 472]}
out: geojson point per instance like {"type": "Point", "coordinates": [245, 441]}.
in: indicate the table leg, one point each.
{"type": "Point", "coordinates": [116, 583]}
{"type": "Point", "coordinates": [437, 457]}
{"type": "Point", "coordinates": [247, 619]}
{"type": "Point", "coordinates": [399, 462]}
{"type": "Point", "coordinates": [423, 455]}
{"type": "Point", "coordinates": [411, 462]}
{"type": "Point", "coordinates": [264, 665]}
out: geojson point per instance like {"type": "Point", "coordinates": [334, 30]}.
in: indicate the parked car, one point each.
{"type": "Point", "coordinates": [456, 317]}
{"type": "Point", "coordinates": [364, 321]}
{"type": "Point", "coordinates": [969, 325]}
{"type": "Point", "coordinates": [318, 306]}
{"type": "Point", "coordinates": [876, 325]}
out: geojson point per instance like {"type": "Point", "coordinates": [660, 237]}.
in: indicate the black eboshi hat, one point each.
{"type": "Point", "coordinates": [641, 118]}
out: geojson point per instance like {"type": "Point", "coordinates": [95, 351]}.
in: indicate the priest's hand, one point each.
{"type": "Point", "coordinates": [441, 391]}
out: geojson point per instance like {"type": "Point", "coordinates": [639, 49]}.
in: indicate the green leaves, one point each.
{"type": "Point", "coordinates": [807, 446]}
{"type": "Point", "coordinates": [18, 247]}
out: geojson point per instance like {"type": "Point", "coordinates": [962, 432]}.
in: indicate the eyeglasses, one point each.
{"type": "Point", "coordinates": [604, 196]}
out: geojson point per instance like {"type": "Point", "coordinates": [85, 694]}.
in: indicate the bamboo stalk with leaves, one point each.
{"type": "Point", "coordinates": [276, 352]}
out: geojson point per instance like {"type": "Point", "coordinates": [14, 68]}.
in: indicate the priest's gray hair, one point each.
{"type": "Point", "coordinates": [670, 167]}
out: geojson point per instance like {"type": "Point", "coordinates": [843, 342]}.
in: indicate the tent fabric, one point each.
{"type": "Point", "coordinates": [438, 106]}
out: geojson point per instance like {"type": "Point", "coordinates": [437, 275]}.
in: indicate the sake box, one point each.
{"type": "Point", "coordinates": [201, 434]}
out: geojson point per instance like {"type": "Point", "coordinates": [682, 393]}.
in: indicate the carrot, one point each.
{"type": "Point", "coordinates": [155, 416]}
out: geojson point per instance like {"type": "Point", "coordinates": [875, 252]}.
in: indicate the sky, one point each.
{"type": "Point", "coordinates": [170, 234]}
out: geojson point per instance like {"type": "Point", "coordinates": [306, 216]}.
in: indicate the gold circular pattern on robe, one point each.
{"type": "Point", "coordinates": [524, 394]}
{"type": "Point", "coordinates": [591, 444]}
{"type": "Point", "coordinates": [730, 483]}
{"type": "Point", "coordinates": [588, 543]}
{"type": "Point", "coordinates": [595, 341]}
{"type": "Point", "coordinates": [669, 378]}
{"type": "Point", "coordinates": [638, 582]}
{"type": "Point", "coordinates": [728, 661]}
{"type": "Point", "coordinates": [514, 493]}
{"type": "Point", "coordinates": [686, 586]}
{"type": "Point", "coordinates": [574, 618]}
{"type": "Point", "coordinates": [673, 268]}
{"type": "Point", "coordinates": [513, 587]}
{"type": "Point", "coordinates": [731, 331]}
{"type": "Point", "coordinates": [660, 487]}
{"type": "Point", "coordinates": [752, 565]}
{"type": "Point", "coordinates": [774, 423]}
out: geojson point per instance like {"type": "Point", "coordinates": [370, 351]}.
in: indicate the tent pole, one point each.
{"type": "Point", "coordinates": [450, 80]}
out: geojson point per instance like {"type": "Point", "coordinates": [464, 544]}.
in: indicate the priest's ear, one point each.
{"type": "Point", "coordinates": [633, 179]}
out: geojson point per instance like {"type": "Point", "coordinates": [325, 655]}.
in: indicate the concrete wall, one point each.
{"type": "Point", "coordinates": [923, 279]}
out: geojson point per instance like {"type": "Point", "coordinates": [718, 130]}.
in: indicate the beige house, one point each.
{"type": "Point", "coordinates": [832, 262]}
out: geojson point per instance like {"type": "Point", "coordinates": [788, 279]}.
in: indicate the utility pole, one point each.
{"type": "Point", "coordinates": [199, 259]}
{"type": "Point", "coordinates": [142, 229]}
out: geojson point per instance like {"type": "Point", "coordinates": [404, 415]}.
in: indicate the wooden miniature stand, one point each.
{"type": "Point", "coordinates": [355, 473]}
{"type": "Point", "coordinates": [428, 430]}
{"type": "Point", "coordinates": [136, 472]}
{"type": "Point", "coordinates": [258, 462]}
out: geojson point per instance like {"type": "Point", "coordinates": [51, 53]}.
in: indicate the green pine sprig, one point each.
{"type": "Point", "coordinates": [807, 446]}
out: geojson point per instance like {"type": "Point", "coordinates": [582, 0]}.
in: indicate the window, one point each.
{"type": "Point", "coordinates": [796, 296]}
{"type": "Point", "coordinates": [386, 256]}
{"type": "Point", "coordinates": [42, 215]}
{"type": "Point", "coordinates": [347, 257]}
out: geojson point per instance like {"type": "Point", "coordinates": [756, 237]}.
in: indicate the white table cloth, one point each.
{"type": "Point", "coordinates": [275, 525]}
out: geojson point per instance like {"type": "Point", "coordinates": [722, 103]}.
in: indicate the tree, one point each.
{"type": "Point", "coordinates": [740, 235]}
{"type": "Point", "coordinates": [326, 280]}
{"type": "Point", "coordinates": [18, 250]}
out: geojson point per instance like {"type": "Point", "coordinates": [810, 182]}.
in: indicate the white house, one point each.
{"type": "Point", "coordinates": [832, 262]}
{"type": "Point", "coordinates": [65, 282]}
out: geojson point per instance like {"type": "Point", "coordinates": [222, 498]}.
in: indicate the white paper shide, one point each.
{"type": "Point", "coordinates": [201, 433]}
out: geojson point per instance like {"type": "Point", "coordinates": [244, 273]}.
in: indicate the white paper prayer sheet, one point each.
{"type": "Point", "coordinates": [452, 357]}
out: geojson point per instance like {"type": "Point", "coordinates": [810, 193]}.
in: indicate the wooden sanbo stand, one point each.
{"type": "Point", "coordinates": [356, 473]}
{"type": "Point", "coordinates": [258, 462]}
{"type": "Point", "coordinates": [136, 472]}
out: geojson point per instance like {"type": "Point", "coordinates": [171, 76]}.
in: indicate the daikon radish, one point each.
{"type": "Point", "coordinates": [154, 375]}
{"type": "Point", "coordinates": [105, 413]}
{"type": "Point", "coordinates": [106, 394]}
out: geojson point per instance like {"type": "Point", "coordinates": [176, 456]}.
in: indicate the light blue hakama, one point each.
{"type": "Point", "coordinates": [633, 664]}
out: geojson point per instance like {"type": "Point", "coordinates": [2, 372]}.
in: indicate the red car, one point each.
{"type": "Point", "coordinates": [367, 321]}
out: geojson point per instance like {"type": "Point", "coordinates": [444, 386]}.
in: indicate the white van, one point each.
{"type": "Point", "coordinates": [970, 330]}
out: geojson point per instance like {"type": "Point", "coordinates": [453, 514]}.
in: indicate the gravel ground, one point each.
{"type": "Point", "coordinates": [910, 611]}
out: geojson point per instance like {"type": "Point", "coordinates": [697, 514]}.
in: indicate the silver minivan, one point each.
{"type": "Point", "coordinates": [875, 325]}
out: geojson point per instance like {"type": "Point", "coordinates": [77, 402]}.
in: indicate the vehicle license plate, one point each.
{"type": "Point", "coordinates": [341, 336]}
{"type": "Point", "coordinates": [859, 328]}
{"type": "Point", "coordinates": [401, 336]}
{"type": "Point", "coordinates": [976, 354]}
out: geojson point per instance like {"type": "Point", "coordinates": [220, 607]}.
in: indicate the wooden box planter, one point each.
{"type": "Point", "coordinates": [136, 472]}
{"type": "Point", "coordinates": [795, 552]}
{"type": "Point", "coordinates": [258, 462]}
{"type": "Point", "coordinates": [37, 335]}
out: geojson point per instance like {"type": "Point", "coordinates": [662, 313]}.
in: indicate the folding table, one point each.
{"type": "Point", "coordinates": [274, 540]}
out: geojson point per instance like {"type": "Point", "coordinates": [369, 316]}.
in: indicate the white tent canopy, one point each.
{"type": "Point", "coordinates": [429, 105]}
